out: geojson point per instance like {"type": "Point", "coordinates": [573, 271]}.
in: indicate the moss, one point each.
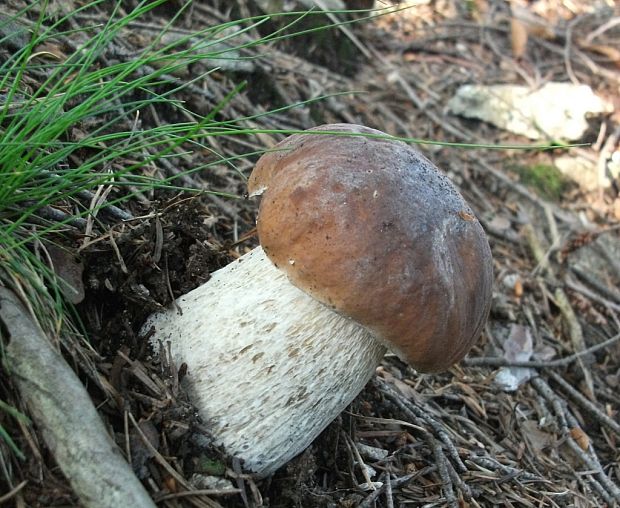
{"type": "Point", "coordinates": [547, 180]}
{"type": "Point", "coordinates": [207, 465]}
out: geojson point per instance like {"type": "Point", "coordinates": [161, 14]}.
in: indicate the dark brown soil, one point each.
{"type": "Point", "coordinates": [155, 260]}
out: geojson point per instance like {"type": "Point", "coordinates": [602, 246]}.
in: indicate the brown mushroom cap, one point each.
{"type": "Point", "coordinates": [372, 229]}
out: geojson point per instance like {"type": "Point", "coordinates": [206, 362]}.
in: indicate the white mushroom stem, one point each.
{"type": "Point", "coordinates": [269, 366]}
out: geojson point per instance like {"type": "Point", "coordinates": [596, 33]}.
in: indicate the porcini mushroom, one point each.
{"type": "Point", "coordinates": [365, 245]}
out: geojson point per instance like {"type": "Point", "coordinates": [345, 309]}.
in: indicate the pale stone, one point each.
{"type": "Point", "coordinates": [556, 111]}
{"type": "Point", "coordinates": [582, 171]}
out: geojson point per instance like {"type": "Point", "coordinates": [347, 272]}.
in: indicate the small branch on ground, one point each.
{"type": "Point", "coordinates": [63, 410]}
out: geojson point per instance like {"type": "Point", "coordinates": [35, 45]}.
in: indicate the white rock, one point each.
{"type": "Point", "coordinates": [555, 111]}
{"type": "Point", "coordinates": [582, 171]}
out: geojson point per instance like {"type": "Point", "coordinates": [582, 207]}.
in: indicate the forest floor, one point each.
{"type": "Point", "coordinates": [454, 439]}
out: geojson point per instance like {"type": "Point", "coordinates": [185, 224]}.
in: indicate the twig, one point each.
{"type": "Point", "coordinates": [609, 490]}
{"type": "Point", "coordinates": [119, 257]}
{"type": "Point", "coordinates": [239, 478]}
{"type": "Point", "coordinates": [567, 48]}
{"type": "Point", "coordinates": [613, 22]}
{"type": "Point", "coordinates": [358, 458]}
{"type": "Point", "coordinates": [396, 483]}
{"type": "Point", "coordinates": [595, 412]}
{"type": "Point", "coordinates": [542, 364]}
{"type": "Point", "coordinates": [64, 412]}
{"type": "Point", "coordinates": [446, 480]}
{"type": "Point", "coordinates": [95, 206]}
{"type": "Point", "coordinates": [540, 253]}
{"type": "Point", "coordinates": [111, 210]}
{"type": "Point", "coordinates": [13, 492]}
{"type": "Point", "coordinates": [163, 462]}
{"type": "Point", "coordinates": [53, 214]}
{"type": "Point", "coordinates": [344, 29]}
{"type": "Point", "coordinates": [388, 491]}
{"type": "Point", "coordinates": [591, 460]}
{"type": "Point", "coordinates": [588, 278]}
{"type": "Point", "coordinates": [394, 74]}
{"type": "Point", "coordinates": [198, 492]}
{"type": "Point", "coordinates": [493, 465]}
{"type": "Point", "coordinates": [576, 336]}
{"type": "Point", "coordinates": [419, 416]}
{"type": "Point", "coordinates": [588, 293]}
{"type": "Point", "coordinates": [458, 480]}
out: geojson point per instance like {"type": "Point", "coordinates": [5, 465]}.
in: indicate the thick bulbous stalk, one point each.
{"type": "Point", "coordinates": [269, 367]}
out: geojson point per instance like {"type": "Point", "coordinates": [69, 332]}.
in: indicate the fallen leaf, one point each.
{"type": "Point", "coordinates": [517, 347]}
{"type": "Point", "coordinates": [473, 404]}
{"type": "Point", "coordinates": [69, 270]}
{"type": "Point", "coordinates": [532, 23]}
{"type": "Point", "coordinates": [518, 38]}
{"type": "Point", "coordinates": [170, 484]}
{"type": "Point", "coordinates": [610, 52]}
{"type": "Point", "coordinates": [518, 288]}
{"type": "Point", "coordinates": [538, 439]}
{"type": "Point", "coordinates": [580, 437]}
{"type": "Point", "coordinates": [408, 391]}
{"type": "Point", "coordinates": [51, 49]}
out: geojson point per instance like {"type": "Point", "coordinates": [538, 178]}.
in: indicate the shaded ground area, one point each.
{"type": "Point", "coordinates": [455, 439]}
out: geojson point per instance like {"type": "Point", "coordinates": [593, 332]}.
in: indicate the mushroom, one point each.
{"type": "Point", "coordinates": [365, 245]}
